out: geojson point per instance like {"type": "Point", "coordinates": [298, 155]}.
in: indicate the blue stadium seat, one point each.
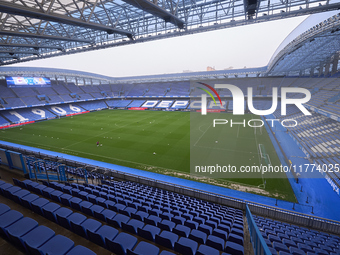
{"type": "Point", "coordinates": [99, 201]}
{"type": "Point", "coordinates": [87, 225]}
{"type": "Point", "coordinates": [186, 246]}
{"type": "Point", "coordinates": [273, 238]}
{"type": "Point", "coordinates": [206, 250]}
{"type": "Point", "coordinates": [85, 207]}
{"type": "Point", "coordinates": [191, 224]}
{"type": "Point", "coordinates": [47, 192]}
{"type": "Point", "coordinates": [104, 215]}
{"type": "Point", "coordinates": [178, 220]}
{"type": "Point", "coordinates": [148, 232]}
{"type": "Point", "coordinates": [62, 214]}
{"type": "Point", "coordinates": [187, 216]}
{"type": "Point", "coordinates": [121, 243]}
{"type": "Point", "coordinates": [215, 242]}
{"type": "Point", "coordinates": [128, 211]}
{"type": "Point", "coordinates": [152, 220]}
{"type": "Point", "coordinates": [139, 215]}
{"type": "Point", "coordinates": [237, 231]}
{"type": "Point", "coordinates": [96, 209]}
{"type": "Point", "coordinates": [100, 235]}
{"type": "Point", "coordinates": [198, 236]}
{"type": "Point", "coordinates": [24, 184]}
{"type": "Point", "coordinates": [75, 192]}
{"type": "Point", "coordinates": [4, 208]}
{"type": "Point", "coordinates": [132, 226]}
{"type": "Point", "coordinates": [35, 238]}
{"type": "Point", "coordinates": [319, 251]}
{"type": "Point", "coordinates": [75, 203]}
{"type": "Point", "coordinates": [118, 207]}
{"type": "Point", "coordinates": [224, 227]}
{"type": "Point", "coordinates": [144, 248]}
{"type": "Point", "coordinates": [65, 199]}
{"type": "Point", "coordinates": [295, 251]}
{"type": "Point", "coordinates": [57, 245]}
{"type": "Point", "coordinates": [181, 230]}
{"type": "Point", "coordinates": [304, 247]}
{"type": "Point", "coordinates": [83, 195]}
{"type": "Point", "coordinates": [49, 211]}
{"type": "Point", "coordinates": [199, 220]}
{"type": "Point", "coordinates": [220, 233]}
{"type": "Point", "coordinates": [280, 247]}
{"type": "Point", "coordinates": [10, 191]}
{"type": "Point", "coordinates": [166, 239]}
{"type": "Point", "coordinates": [236, 239]}
{"type": "Point", "coordinates": [31, 185]}
{"type": "Point", "coordinates": [79, 249]}
{"type": "Point", "coordinates": [39, 189]}
{"type": "Point", "coordinates": [118, 220]}
{"type": "Point", "coordinates": [110, 204]}
{"type": "Point", "coordinates": [75, 219]}
{"type": "Point", "coordinates": [234, 248]}
{"type": "Point", "coordinates": [7, 219]}
{"type": "Point", "coordinates": [212, 224]}
{"type": "Point", "coordinates": [205, 228]}
{"type": "Point", "coordinates": [55, 195]}
{"type": "Point", "coordinates": [38, 204]}
{"type": "Point", "coordinates": [67, 189]}
{"type": "Point", "coordinates": [19, 229]}
{"type": "Point", "coordinates": [166, 253]}
{"type": "Point", "coordinates": [28, 199]}
{"type": "Point", "coordinates": [166, 225]}
{"type": "Point", "coordinates": [17, 196]}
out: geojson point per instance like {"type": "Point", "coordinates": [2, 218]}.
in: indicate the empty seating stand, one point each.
{"type": "Point", "coordinates": [26, 234]}
{"type": "Point", "coordinates": [151, 217]}
{"type": "Point", "coordinates": [283, 238]}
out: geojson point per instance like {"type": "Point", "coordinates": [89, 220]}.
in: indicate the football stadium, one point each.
{"type": "Point", "coordinates": [234, 161]}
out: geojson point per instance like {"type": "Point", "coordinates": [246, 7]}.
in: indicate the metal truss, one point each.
{"type": "Point", "coordinates": [310, 51]}
{"type": "Point", "coordinates": [59, 27]}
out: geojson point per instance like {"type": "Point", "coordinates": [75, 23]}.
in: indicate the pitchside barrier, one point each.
{"type": "Point", "coordinates": [292, 217]}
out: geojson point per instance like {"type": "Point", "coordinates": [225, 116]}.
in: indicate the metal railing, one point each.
{"type": "Point", "coordinates": [259, 245]}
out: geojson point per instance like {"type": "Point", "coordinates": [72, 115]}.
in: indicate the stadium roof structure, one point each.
{"type": "Point", "coordinates": [314, 52]}
{"type": "Point", "coordinates": [34, 29]}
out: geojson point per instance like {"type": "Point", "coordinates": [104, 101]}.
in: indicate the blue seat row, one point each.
{"type": "Point", "coordinates": [292, 239]}
{"type": "Point", "coordinates": [26, 234]}
{"type": "Point", "coordinates": [103, 235]}
{"type": "Point", "coordinates": [145, 225]}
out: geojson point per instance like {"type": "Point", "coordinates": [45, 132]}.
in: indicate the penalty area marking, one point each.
{"type": "Point", "coordinates": [202, 134]}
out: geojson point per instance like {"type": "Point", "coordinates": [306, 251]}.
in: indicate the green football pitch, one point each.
{"type": "Point", "coordinates": [158, 141]}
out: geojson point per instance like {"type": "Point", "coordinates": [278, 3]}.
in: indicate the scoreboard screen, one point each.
{"type": "Point", "coordinates": [28, 81]}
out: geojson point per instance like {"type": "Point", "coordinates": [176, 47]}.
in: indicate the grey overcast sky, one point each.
{"type": "Point", "coordinates": [250, 46]}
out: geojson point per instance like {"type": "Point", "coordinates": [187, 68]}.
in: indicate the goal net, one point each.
{"type": "Point", "coordinates": [265, 159]}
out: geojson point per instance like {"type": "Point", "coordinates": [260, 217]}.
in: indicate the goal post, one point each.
{"type": "Point", "coordinates": [265, 159]}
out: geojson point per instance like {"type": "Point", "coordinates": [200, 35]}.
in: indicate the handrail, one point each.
{"type": "Point", "coordinates": [259, 245]}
